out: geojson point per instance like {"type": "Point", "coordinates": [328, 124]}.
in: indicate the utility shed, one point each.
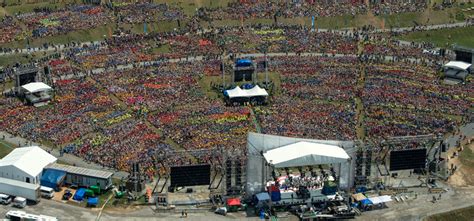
{"type": "Point", "coordinates": [84, 177]}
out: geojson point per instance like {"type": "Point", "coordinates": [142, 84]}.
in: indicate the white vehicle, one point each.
{"type": "Point", "coordinates": [21, 215]}
{"type": "Point", "coordinates": [5, 199]}
{"type": "Point", "coordinates": [46, 192]}
{"type": "Point", "coordinates": [19, 202]}
{"type": "Point", "coordinates": [17, 188]}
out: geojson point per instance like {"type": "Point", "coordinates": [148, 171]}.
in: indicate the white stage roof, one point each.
{"type": "Point", "coordinates": [36, 87]}
{"type": "Point", "coordinates": [459, 65]}
{"type": "Point", "coordinates": [305, 153]}
{"type": "Point", "coordinates": [253, 92]}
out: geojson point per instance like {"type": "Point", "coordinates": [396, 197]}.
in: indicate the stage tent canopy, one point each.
{"type": "Point", "coordinates": [36, 87]}
{"type": "Point", "coordinates": [458, 65]}
{"type": "Point", "coordinates": [305, 153]}
{"type": "Point", "coordinates": [253, 92]}
{"type": "Point", "coordinates": [257, 91]}
{"type": "Point", "coordinates": [236, 92]}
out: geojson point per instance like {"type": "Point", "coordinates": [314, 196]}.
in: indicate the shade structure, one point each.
{"type": "Point", "coordinates": [237, 92]}
{"type": "Point", "coordinates": [304, 154]}
{"type": "Point", "coordinates": [36, 87]}
{"type": "Point", "coordinates": [380, 199]}
{"type": "Point", "coordinates": [458, 65]}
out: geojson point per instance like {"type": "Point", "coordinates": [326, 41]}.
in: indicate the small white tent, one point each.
{"type": "Point", "coordinates": [36, 87]}
{"type": "Point", "coordinates": [458, 65]}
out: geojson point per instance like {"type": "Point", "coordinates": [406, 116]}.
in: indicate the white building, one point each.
{"type": "Point", "coordinates": [25, 164]}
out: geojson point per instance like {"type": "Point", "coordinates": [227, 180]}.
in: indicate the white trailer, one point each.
{"type": "Point", "coordinates": [22, 215]}
{"type": "Point", "coordinates": [17, 188]}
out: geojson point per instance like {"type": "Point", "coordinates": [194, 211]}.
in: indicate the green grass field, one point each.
{"type": "Point", "coordinates": [5, 148]}
{"type": "Point", "coordinates": [443, 38]}
{"type": "Point", "coordinates": [464, 214]}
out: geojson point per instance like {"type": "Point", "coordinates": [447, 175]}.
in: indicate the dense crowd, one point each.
{"type": "Point", "coordinates": [142, 103]}
{"type": "Point", "coordinates": [403, 100]}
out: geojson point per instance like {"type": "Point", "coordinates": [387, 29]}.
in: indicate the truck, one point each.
{"type": "Point", "coordinates": [22, 215]}
{"type": "Point", "coordinates": [15, 188]}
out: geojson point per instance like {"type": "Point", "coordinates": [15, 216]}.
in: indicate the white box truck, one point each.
{"type": "Point", "coordinates": [17, 188]}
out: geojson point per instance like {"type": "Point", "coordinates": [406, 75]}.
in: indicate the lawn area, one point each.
{"type": "Point", "coordinates": [464, 214]}
{"type": "Point", "coordinates": [442, 38]}
{"type": "Point", "coordinates": [21, 58]}
{"type": "Point", "coordinates": [5, 148]}
{"type": "Point", "coordinates": [467, 157]}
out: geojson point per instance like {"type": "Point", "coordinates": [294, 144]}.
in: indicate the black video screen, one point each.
{"type": "Point", "coordinates": [194, 175]}
{"type": "Point", "coordinates": [407, 159]}
{"type": "Point", "coordinates": [464, 56]}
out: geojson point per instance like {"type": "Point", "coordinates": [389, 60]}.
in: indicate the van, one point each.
{"type": "Point", "coordinates": [19, 202]}
{"type": "Point", "coordinates": [46, 192]}
{"type": "Point", "coordinates": [5, 199]}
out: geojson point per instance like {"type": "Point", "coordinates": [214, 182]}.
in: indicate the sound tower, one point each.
{"type": "Point", "coordinates": [238, 173]}
{"type": "Point", "coordinates": [228, 172]}
{"type": "Point", "coordinates": [368, 162]}
{"type": "Point", "coordinates": [408, 159]}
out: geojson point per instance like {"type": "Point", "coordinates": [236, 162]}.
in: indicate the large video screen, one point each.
{"type": "Point", "coordinates": [194, 175]}
{"type": "Point", "coordinates": [407, 159]}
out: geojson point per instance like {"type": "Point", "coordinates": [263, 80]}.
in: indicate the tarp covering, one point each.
{"type": "Point", "coordinates": [253, 92]}
{"type": "Point", "coordinates": [79, 196]}
{"type": "Point", "coordinates": [243, 63]}
{"type": "Point", "coordinates": [380, 199]}
{"type": "Point", "coordinates": [52, 178]}
{"type": "Point", "coordinates": [366, 202]}
{"type": "Point", "coordinates": [263, 196]}
{"type": "Point", "coordinates": [36, 87]}
{"type": "Point", "coordinates": [233, 202]}
{"type": "Point", "coordinates": [305, 153]}
{"type": "Point", "coordinates": [459, 65]}
{"type": "Point", "coordinates": [359, 197]}
{"type": "Point", "coordinates": [93, 201]}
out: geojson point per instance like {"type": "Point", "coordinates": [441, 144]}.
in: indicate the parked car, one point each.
{"type": "Point", "coordinates": [19, 202]}
{"type": "Point", "coordinates": [67, 194]}
{"type": "Point", "coordinates": [47, 192]}
{"type": "Point", "coordinates": [5, 199]}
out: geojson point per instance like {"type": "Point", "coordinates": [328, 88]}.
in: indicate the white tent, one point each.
{"type": "Point", "coordinates": [256, 91]}
{"type": "Point", "coordinates": [253, 92]}
{"type": "Point", "coordinates": [236, 92]}
{"type": "Point", "coordinates": [380, 199]}
{"type": "Point", "coordinates": [36, 87]}
{"type": "Point", "coordinates": [25, 164]}
{"type": "Point", "coordinates": [305, 153]}
{"type": "Point", "coordinates": [458, 65]}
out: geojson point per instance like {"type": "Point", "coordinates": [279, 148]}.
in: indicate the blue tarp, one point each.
{"type": "Point", "coordinates": [243, 63]}
{"type": "Point", "coordinates": [263, 196]}
{"type": "Point", "coordinates": [52, 178]}
{"type": "Point", "coordinates": [366, 202]}
{"type": "Point", "coordinates": [79, 196]}
{"type": "Point", "coordinates": [93, 201]}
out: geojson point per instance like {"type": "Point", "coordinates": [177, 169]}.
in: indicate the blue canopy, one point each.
{"type": "Point", "coordinates": [93, 201]}
{"type": "Point", "coordinates": [79, 196]}
{"type": "Point", "coordinates": [243, 63]}
{"type": "Point", "coordinates": [52, 178]}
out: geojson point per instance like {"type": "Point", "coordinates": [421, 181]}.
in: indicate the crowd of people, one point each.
{"type": "Point", "coordinates": [404, 100]}
{"type": "Point", "coordinates": [138, 102]}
